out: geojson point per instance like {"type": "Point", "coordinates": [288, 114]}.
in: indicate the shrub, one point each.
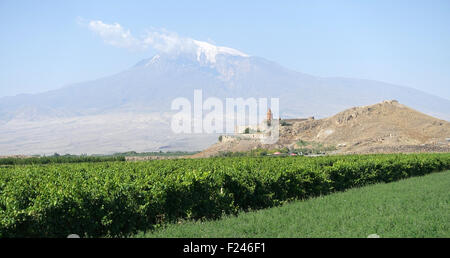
{"type": "Point", "coordinates": [56, 158]}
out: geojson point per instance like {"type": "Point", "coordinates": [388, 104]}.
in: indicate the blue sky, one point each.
{"type": "Point", "coordinates": [48, 44]}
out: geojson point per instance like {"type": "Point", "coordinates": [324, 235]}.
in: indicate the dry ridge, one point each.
{"type": "Point", "coordinates": [386, 127]}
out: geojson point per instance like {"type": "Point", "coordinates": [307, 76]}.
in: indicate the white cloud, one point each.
{"type": "Point", "coordinates": [115, 35]}
{"type": "Point", "coordinates": [168, 42]}
{"type": "Point", "coordinates": [160, 40]}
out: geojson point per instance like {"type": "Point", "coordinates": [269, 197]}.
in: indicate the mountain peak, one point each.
{"type": "Point", "coordinates": [200, 52]}
{"type": "Point", "coordinates": [207, 52]}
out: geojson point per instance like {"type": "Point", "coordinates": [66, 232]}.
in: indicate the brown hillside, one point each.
{"type": "Point", "coordinates": [381, 128]}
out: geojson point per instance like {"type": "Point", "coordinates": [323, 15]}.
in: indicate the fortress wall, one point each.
{"type": "Point", "coordinates": [262, 127]}
{"type": "Point", "coordinates": [298, 119]}
{"type": "Point", "coordinates": [250, 136]}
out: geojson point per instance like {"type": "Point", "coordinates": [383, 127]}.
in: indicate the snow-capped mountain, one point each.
{"type": "Point", "coordinates": [206, 52]}
{"type": "Point", "coordinates": [149, 87]}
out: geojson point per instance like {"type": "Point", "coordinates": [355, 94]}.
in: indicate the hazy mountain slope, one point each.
{"type": "Point", "coordinates": [149, 87]}
{"type": "Point", "coordinates": [152, 84]}
{"type": "Point", "coordinates": [96, 134]}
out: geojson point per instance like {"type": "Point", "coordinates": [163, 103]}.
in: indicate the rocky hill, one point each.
{"type": "Point", "coordinates": [385, 127]}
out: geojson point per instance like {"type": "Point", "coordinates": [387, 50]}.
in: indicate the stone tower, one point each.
{"type": "Point", "coordinates": [269, 116]}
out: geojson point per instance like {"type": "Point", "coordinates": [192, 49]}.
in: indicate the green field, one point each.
{"type": "Point", "coordinates": [116, 199]}
{"type": "Point", "coordinates": [415, 207]}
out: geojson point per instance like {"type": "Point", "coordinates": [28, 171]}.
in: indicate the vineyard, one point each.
{"type": "Point", "coordinates": [120, 198]}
